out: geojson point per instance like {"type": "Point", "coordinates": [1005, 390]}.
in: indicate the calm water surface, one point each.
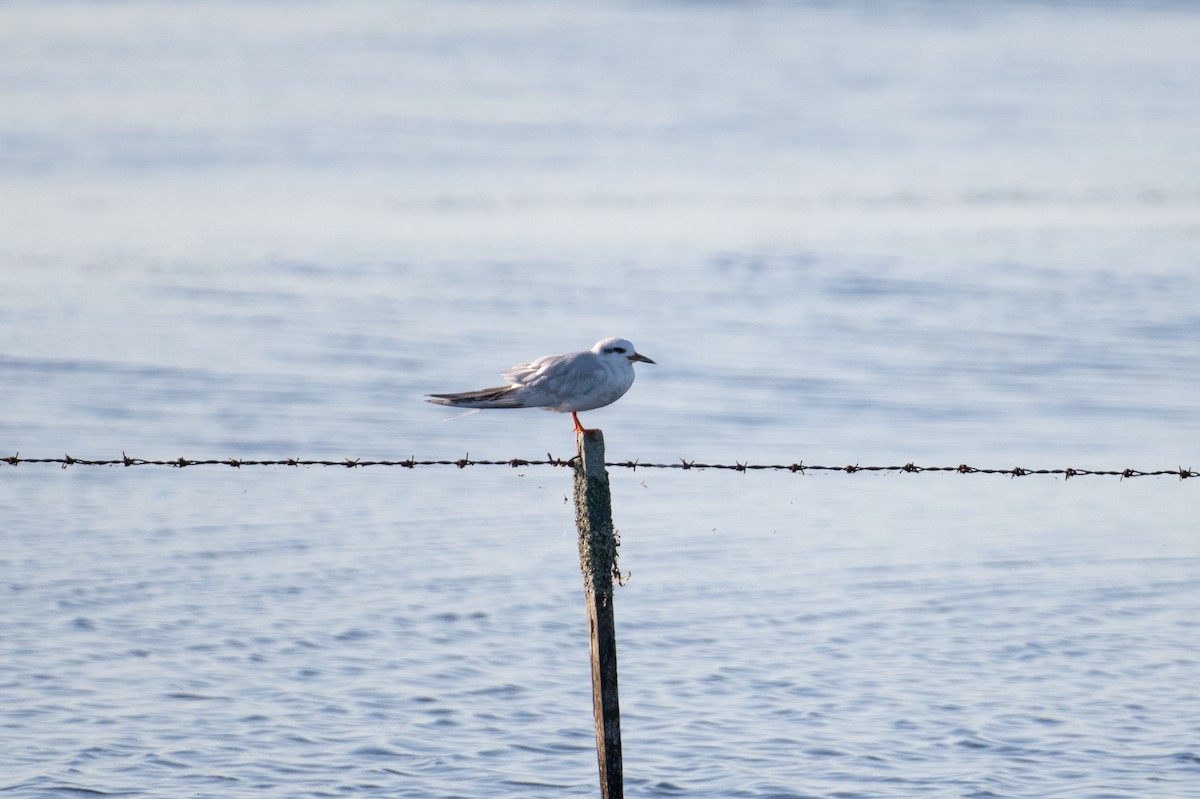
{"type": "Point", "coordinates": [864, 234]}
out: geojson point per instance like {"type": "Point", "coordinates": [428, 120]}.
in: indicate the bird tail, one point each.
{"type": "Point", "coordinates": [500, 397]}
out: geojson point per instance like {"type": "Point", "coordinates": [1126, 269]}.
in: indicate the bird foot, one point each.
{"type": "Point", "coordinates": [587, 433]}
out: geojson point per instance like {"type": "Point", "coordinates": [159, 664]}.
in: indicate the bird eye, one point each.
{"type": "Point", "coordinates": [618, 349]}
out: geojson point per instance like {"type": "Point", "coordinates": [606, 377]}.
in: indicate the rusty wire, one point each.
{"type": "Point", "coordinates": [683, 464]}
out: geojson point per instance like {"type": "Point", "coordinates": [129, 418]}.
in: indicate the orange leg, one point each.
{"type": "Point", "coordinates": [589, 434]}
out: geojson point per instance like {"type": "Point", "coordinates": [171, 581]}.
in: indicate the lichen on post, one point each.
{"type": "Point", "coordinates": [598, 540]}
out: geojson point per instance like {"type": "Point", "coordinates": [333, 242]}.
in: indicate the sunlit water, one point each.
{"type": "Point", "coordinates": [855, 234]}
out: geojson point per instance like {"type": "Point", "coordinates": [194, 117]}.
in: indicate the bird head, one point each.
{"type": "Point", "coordinates": [619, 348]}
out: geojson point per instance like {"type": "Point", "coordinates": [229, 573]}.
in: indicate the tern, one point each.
{"type": "Point", "coordinates": [568, 383]}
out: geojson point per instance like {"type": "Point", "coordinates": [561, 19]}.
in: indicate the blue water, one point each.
{"type": "Point", "coordinates": [849, 234]}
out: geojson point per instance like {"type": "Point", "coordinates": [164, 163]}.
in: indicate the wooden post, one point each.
{"type": "Point", "coordinates": [598, 560]}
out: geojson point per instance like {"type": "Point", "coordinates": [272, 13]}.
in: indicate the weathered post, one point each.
{"type": "Point", "coordinates": [598, 559]}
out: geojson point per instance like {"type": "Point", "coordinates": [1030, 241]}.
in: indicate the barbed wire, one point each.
{"type": "Point", "coordinates": [683, 464]}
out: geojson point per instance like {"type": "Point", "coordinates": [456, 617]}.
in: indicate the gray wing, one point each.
{"type": "Point", "coordinates": [558, 379]}
{"type": "Point", "coordinates": [524, 389]}
{"type": "Point", "coordinates": [525, 373]}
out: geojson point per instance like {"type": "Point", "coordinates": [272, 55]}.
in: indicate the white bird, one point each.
{"type": "Point", "coordinates": [575, 381]}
